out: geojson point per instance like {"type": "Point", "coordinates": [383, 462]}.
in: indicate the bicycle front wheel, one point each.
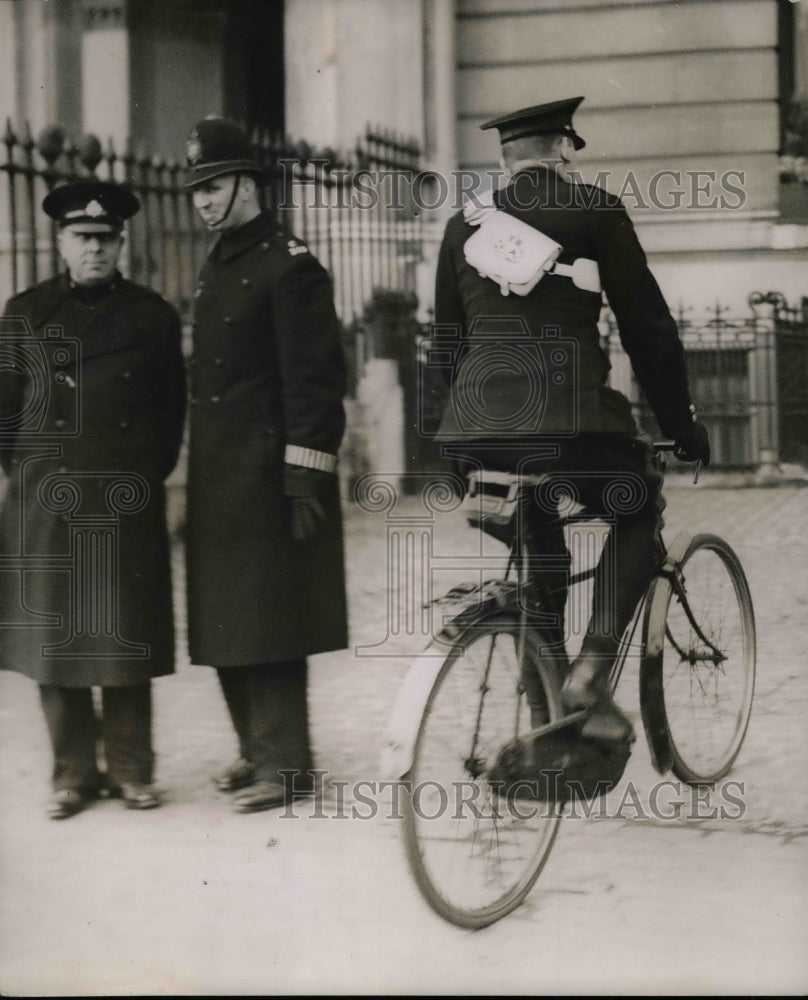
{"type": "Point", "coordinates": [476, 854]}
{"type": "Point", "coordinates": [705, 674]}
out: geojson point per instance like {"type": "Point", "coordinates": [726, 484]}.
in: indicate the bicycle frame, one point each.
{"type": "Point", "coordinates": [402, 729]}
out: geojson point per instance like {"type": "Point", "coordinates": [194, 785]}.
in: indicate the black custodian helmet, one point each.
{"type": "Point", "coordinates": [219, 146]}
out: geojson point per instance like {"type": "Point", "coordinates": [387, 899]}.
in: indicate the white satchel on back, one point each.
{"type": "Point", "coordinates": [515, 255]}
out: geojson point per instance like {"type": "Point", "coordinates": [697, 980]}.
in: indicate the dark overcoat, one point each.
{"type": "Point", "coordinates": [92, 401]}
{"type": "Point", "coordinates": [556, 325]}
{"type": "Point", "coordinates": [268, 380]}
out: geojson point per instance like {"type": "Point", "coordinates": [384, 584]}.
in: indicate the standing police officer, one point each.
{"type": "Point", "coordinates": [519, 282]}
{"type": "Point", "coordinates": [266, 582]}
{"type": "Point", "coordinates": [92, 401]}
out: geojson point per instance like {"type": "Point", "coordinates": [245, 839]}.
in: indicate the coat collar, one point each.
{"type": "Point", "coordinates": [238, 240]}
{"type": "Point", "coordinates": [49, 296]}
{"type": "Point", "coordinates": [539, 185]}
{"type": "Point", "coordinates": [54, 292]}
{"type": "Point", "coordinates": [540, 175]}
{"type": "Point", "coordinates": [102, 330]}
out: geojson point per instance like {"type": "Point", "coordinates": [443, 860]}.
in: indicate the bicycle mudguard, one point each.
{"type": "Point", "coordinates": [556, 764]}
{"type": "Point", "coordinates": [651, 699]}
{"type": "Point", "coordinates": [470, 603]}
{"type": "Point", "coordinates": [402, 729]}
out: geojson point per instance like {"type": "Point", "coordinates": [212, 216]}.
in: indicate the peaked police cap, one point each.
{"type": "Point", "coordinates": [219, 146]}
{"type": "Point", "coordinates": [539, 120]}
{"type": "Point", "coordinates": [91, 206]}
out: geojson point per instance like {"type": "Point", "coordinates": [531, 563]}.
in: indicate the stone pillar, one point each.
{"type": "Point", "coordinates": [763, 378]}
{"type": "Point", "coordinates": [440, 137]}
{"type": "Point", "coordinates": [105, 70]}
{"type": "Point", "coordinates": [382, 402]}
{"type": "Point", "coordinates": [39, 68]}
{"type": "Point", "coordinates": [350, 63]}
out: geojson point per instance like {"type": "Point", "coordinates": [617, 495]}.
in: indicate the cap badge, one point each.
{"type": "Point", "coordinates": [193, 149]}
{"type": "Point", "coordinates": [94, 209]}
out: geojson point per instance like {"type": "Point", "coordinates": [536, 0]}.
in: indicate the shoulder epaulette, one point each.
{"type": "Point", "coordinates": [289, 243]}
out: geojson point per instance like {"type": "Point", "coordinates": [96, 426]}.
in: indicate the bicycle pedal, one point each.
{"type": "Point", "coordinates": [558, 764]}
{"type": "Point", "coordinates": [571, 719]}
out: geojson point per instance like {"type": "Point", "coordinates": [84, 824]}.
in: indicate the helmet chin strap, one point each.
{"type": "Point", "coordinates": [236, 182]}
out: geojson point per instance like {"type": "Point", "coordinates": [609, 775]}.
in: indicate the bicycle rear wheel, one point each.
{"type": "Point", "coordinates": [475, 854]}
{"type": "Point", "coordinates": [703, 678]}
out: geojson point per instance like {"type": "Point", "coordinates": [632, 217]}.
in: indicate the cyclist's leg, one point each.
{"type": "Point", "coordinates": [622, 485]}
{"type": "Point", "coordinates": [549, 558]}
{"type": "Point", "coordinates": [548, 585]}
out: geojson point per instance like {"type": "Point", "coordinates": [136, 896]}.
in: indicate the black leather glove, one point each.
{"type": "Point", "coordinates": [693, 445]}
{"type": "Point", "coordinates": [307, 516]}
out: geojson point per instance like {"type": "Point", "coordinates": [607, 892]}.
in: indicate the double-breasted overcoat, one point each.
{"type": "Point", "coordinates": [92, 402]}
{"type": "Point", "coordinates": [268, 380]}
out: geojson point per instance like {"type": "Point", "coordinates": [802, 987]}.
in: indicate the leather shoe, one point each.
{"type": "Point", "coordinates": [240, 774]}
{"type": "Point", "coordinates": [262, 795]}
{"type": "Point", "coordinates": [69, 801]}
{"type": "Point", "coordinates": [588, 687]}
{"type": "Point", "coordinates": [136, 795]}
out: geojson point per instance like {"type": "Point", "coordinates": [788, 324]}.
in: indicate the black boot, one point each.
{"type": "Point", "coordinates": [589, 687]}
{"type": "Point", "coordinates": [624, 571]}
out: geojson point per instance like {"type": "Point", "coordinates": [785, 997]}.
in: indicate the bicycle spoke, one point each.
{"type": "Point", "coordinates": [708, 661]}
{"type": "Point", "coordinates": [474, 858]}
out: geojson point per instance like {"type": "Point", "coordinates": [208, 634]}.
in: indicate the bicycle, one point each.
{"type": "Point", "coordinates": [488, 686]}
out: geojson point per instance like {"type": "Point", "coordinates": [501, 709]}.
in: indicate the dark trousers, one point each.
{"type": "Point", "coordinates": [612, 478]}
{"type": "Point", "coordinates": [123, 730]}
{"type": "Point", "coordinates": [268, 705]}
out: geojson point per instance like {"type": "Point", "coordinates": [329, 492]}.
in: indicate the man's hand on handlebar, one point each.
{"type": "Point", "coordinates": [693, 445]}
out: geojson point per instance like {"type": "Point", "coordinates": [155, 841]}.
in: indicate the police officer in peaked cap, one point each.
{"type": "Point", "coordinates": [266, 586]}
{"type": "Point", "coordinates": [105, 416]}
{"type": "Point", "coordinates": [539, 256]}
{"type": "Point", "coordinates": [91, 206]}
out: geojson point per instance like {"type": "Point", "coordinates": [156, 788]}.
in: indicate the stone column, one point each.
{"type": "Point", "coordinates": [763, 378]}
{"type": "Point", "coordinates": [105, 70]}
{"type": "Point", "coordinates": [440, 137]}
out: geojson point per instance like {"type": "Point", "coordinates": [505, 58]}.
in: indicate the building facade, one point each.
{"type": "Point", "coordinates": [695, 112]}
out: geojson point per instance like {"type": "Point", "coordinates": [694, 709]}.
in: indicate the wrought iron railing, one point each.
{"type": "Point", "coordinates": [746, 376]}
{"type": "Point", "coordinates": [355, 211]}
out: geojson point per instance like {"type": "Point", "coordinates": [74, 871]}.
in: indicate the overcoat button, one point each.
{"type": "Point", "coordinates": [215, 399]}
{"type": "Point", "coordinates": [228, 320]}
{"type": "Point", "coordinates": [219, 362]}
{"type": "Point", "coordinates": [245, 282]}
{"type": "Point", "coordinates": [59, 423]}
{"type": "Point", "coordinates": [265, 246]}
{"type": "Point", "coordinates": [62, 470]}
{"type": "Point", "coordinates": [126, 376]}
{"type": "Point", "coordinates": [123, 425]}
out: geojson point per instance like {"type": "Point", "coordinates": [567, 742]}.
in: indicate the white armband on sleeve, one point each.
{"type": "Point", "coordinates": [296, 454]}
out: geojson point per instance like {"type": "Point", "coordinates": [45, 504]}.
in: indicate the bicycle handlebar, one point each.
{"type": "Point", "coordinates": [658, 447]}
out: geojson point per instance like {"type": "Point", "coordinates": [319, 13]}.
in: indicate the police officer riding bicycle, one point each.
{"type": "Point", "coordinates": [519, 289]}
